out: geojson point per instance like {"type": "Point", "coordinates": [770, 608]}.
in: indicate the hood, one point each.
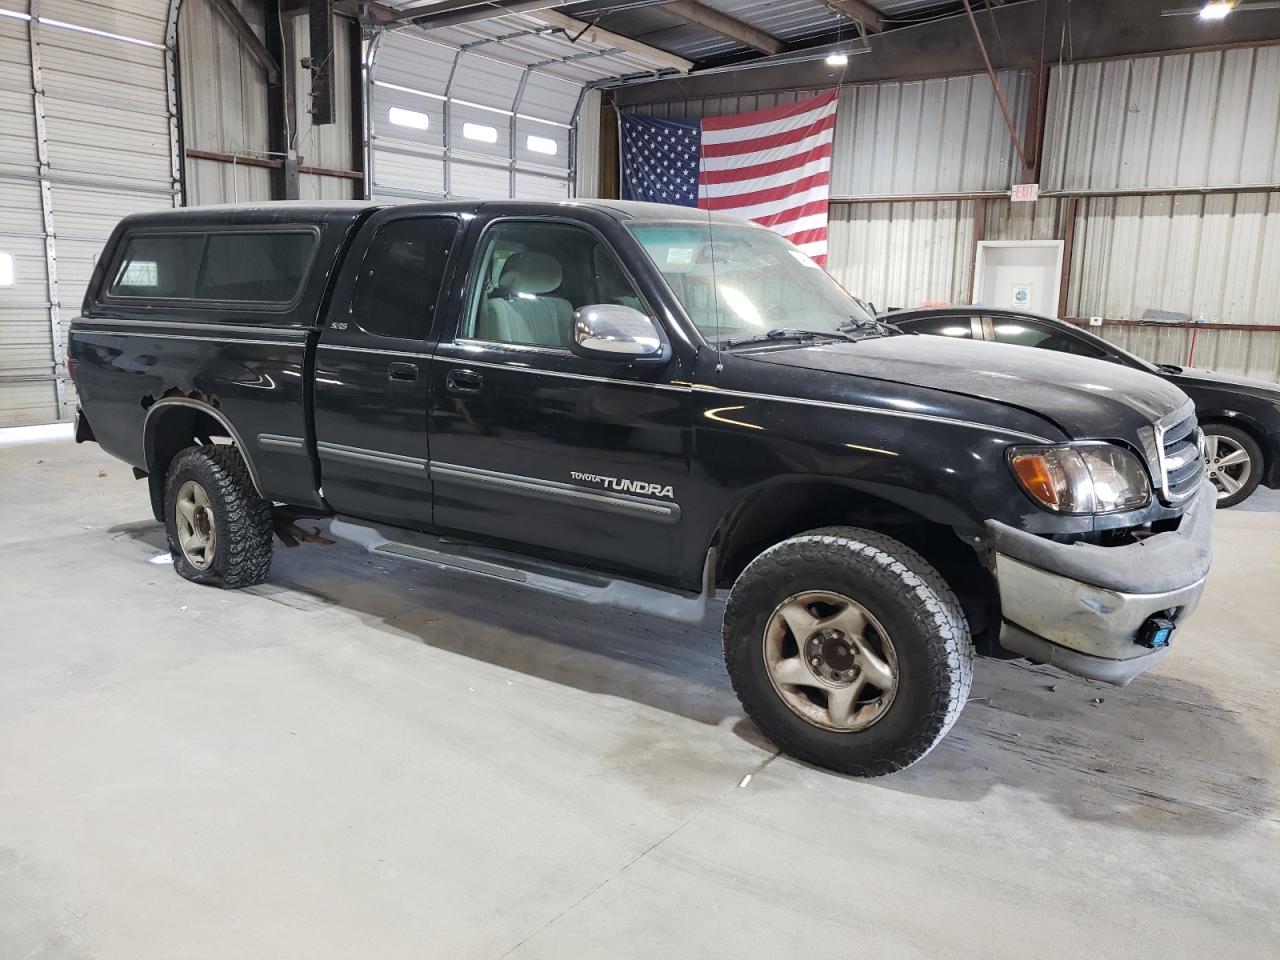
{"type": "Point", "coordinates": [1086, 399]}
{"type": "Point", "coordinates": [1195, 377]}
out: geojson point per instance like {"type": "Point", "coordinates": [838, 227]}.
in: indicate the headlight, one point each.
{"type": "Point", "coordinates": [1082, 478]}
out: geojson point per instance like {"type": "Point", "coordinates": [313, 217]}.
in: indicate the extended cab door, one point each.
{"type": "Point", "coordinates": [580, 459]}
{"type": "Point", "coordinates": [372, 369]}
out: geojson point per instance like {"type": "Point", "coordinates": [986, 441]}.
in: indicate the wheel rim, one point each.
{"type": "Point", "coordinates": [830, 661]}
{"type": "Point", "coordinates": [197, 531]}
{"type": "Point", "coordinates": [1228, 463]}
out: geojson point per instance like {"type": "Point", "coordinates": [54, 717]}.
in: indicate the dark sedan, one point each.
{"type": "Point", "coordinates": [1240, 417]}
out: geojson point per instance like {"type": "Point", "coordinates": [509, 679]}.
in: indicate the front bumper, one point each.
{"type": "Point", "coordinates": [1079, 606]}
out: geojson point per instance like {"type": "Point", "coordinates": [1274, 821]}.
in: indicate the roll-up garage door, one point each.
{"type": "Point", "coordinates": [89, 123]}
{"type": "Point", "coordinates": [471, 112]}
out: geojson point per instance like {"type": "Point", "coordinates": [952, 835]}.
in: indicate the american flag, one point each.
{"type": "Point", "coordinates": [772, 166]}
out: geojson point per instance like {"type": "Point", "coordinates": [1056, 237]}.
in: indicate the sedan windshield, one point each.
{"type": "Point", "coordinates": [748, 285]}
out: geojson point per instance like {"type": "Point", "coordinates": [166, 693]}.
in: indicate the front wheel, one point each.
{"type": "Point", "coordinates": [219, 528]}
{"type": "Point", "coordinates": [1234, 462]}
{"type": "Point", "coordinates": [848, 650]}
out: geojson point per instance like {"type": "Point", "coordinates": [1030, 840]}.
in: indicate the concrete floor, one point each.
{"type": "Point", "coordinates": [364, 759]}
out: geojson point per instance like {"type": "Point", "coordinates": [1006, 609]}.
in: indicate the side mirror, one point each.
{"type": "Point", "coordinates": [612, 331]}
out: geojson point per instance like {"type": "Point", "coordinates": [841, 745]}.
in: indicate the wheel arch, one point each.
{"type": "Point", "coordinates": [935, 528]}
{"type": "Point", "coordinates": [174, 423]}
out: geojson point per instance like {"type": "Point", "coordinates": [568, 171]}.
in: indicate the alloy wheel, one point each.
{"type": "Point", "coordinates": [1228, 463]}
{"type": "Point", "coordinates": [197, 529]}
{"type": "Point", "coordinates": [830, 661]}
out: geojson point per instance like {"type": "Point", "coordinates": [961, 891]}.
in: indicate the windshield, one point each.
{"type": "Point", "coordinates": [737, 282]}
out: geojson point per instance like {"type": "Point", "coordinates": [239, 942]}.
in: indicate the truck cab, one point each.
{"type": "Point", "coordinates": [646, 405]}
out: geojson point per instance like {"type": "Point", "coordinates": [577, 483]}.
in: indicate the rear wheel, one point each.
{"type": "Point", "coordinates": [219, 528]}
{"type": "Point", "coordinates": [1234, 461]}
{"type": "Point", "coordinates": [848, 650]}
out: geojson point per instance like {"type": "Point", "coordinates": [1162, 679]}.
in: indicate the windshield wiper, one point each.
{"type": "Point", "coordinates": [789, 333]}
{"type": "Point", "coordinates": [870, 326]}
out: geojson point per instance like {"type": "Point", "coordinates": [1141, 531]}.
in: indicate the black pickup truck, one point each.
{"type": "Point", "coordinates": [641, 406]}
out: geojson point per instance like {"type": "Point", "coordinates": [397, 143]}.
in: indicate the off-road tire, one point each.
{"type": "Point", "coordinates": [1257, 464]}
{"type": "Point", "coordinates": [242, 551]}
{"type": "Point", "coordinates": [917, 609]}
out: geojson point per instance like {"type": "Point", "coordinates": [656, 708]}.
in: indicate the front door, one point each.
{"type": "Point", "coordinates": [581, 459]}
{"type": "Point", "coordinates": [372, 370]}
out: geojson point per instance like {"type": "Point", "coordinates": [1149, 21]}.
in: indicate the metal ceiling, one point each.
{"type": "Point", "coordinates": [792, 24]}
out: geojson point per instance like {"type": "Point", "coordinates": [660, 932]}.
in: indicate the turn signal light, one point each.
{"type": "Point", "coordinates": [1033, 471]}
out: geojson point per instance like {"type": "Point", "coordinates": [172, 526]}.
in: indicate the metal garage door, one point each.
{"type": "Point", "coordinates": [89, 134]}
{"type": "Point", "coordinates": [488, 109]}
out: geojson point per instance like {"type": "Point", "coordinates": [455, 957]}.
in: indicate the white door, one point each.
{"type": "Point", "coordinates": [1019, 275]}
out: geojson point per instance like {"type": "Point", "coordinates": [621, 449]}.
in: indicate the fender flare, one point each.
{"type": "Point", "coordinates": [165, 402]}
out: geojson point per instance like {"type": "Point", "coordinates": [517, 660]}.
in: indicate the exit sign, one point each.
{"type": "Point", "coordinates": [1025, 192]}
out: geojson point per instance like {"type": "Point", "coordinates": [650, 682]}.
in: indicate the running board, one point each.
{"type": "Point", "coordinates": [559, 580]}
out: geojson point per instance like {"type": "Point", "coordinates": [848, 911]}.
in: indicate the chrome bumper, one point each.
{"type": "Point", "coordinates": [1079, 606]}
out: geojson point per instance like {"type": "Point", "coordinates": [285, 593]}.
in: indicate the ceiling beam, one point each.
{"type": "Point", "coordinates": [864, 13]}
{"type": "Point", "coordinates": [724, 25]}
{"type": "Point", "coordinates": [575, 28]}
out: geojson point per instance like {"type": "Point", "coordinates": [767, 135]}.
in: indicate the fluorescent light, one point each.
{"type": "Point", "coordinates": [837, 59]}
{"type": "Point", "coordinates": [481, 132]}
{"type": "Point", "coordinates": [1216, 10]}
{"type": "Point", "coordinates": [408, 118]}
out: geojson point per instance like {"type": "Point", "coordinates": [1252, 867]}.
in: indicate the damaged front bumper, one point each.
{"type": "Point", "coordinates": [1081, 607]}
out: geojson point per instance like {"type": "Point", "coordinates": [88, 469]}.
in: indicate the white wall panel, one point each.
{"type": "Point", "coordinates": [902, 254]}
{"type": "Point", "coordinates": [1208, 119]}
{"type": "Point", "coordinates": [224, 104]}
{"type": "Point", "coordinates": [1214, 254]}
{"type": "Point", "coordinates": [903, 139]}
{"type": "Point", "coordinates": [587, 146]}
{"type": "Point", "coordinates": [927, 137]}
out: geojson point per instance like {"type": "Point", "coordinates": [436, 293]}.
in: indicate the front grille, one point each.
{"type": "Point", "coordinates": [1180, 459]}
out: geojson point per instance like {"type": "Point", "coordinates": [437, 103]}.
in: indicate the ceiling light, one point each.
{"type": "Point", "coordinates": [1216, 10]}
{"type": "Point", "coordinates": [841, 59]}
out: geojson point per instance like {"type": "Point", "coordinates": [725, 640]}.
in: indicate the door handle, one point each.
{"type": "Point", "coordinates": [402, 371]}
{"type": "Point", "coordinates": [463, 381]}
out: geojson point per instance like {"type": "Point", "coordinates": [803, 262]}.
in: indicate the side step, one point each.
{"type": "Point", "coordinates": [560, 580]}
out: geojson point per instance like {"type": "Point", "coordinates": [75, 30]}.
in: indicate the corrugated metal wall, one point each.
{"type": "Point", "coordinates": [901, 254]}
{"type": "Point", "coordinates": [926, 137]}
{"type": "Point", "coordinates": [225, 108]}
{"type": "Point", "coordinates": [903, 139]}
{"type": "Point", "coordinates": [586, 160]}
{"type": "Point", "coordinates": [1208, 119]}
{"type": "Point", "coordinates": [224, 105]}
{"type": "Point", "coordinates": [87, 127]}
{"type": "Point", "coordinates": [1202, 120]}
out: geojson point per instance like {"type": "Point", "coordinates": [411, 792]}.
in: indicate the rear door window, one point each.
{"type": "Point", "coordinates": [399, 281]}
{"type": "Point", "coordinates": [958, 328]}
{"type": "Point", "coordinates": [1028, 333]}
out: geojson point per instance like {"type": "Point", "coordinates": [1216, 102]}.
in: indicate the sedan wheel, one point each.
{"type": "Point", "coordinates": [1233, 461]}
